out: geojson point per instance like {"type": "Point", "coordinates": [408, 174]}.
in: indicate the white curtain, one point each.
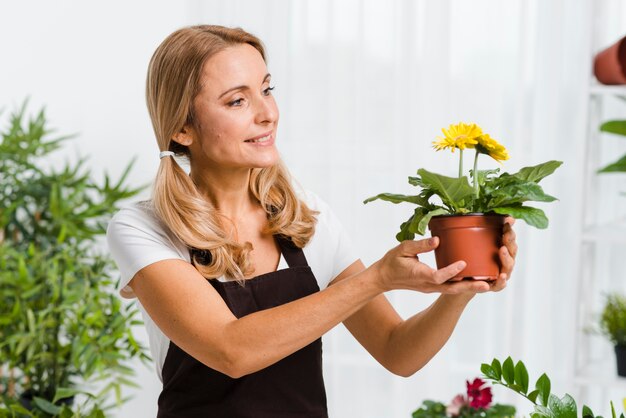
{"type": "Point", "coordinates": [363, 87]}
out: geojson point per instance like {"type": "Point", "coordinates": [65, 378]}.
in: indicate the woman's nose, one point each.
{"type": "Point", "coordinates": [266, 111]}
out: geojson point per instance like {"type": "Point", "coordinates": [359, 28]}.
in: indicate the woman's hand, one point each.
{"type": "Point", "coordinates": [507, 253]}
{"type": "Point", "coordinates": [400, 268]}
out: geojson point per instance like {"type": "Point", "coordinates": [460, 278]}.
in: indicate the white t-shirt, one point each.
{"type": "Point", "coordinates": [137, 238]}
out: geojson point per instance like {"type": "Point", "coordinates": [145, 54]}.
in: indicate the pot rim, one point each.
{"type": "Point", "coordinates": [449, 215]}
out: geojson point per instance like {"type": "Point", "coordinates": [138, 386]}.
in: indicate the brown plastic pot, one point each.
{"type": "Point", "coordinates": [609, 65]}
{"type": "Point", "coordinates": [474, 238]}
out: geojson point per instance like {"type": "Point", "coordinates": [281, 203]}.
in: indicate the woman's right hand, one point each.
{"type": "Point", "coordinates": [400, 268]}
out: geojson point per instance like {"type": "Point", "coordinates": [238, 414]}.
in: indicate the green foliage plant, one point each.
{"type": "Point", "coordinates": [617, 127]}
{"type": "Point", "coordinates": [475, 403]}
{"type": "Point", "coordinates": [63, 330]}
{"type": "Point", "coordinates": [490, 191]}
{"type": "Point", "coordinates": [514, 376]}
{"type": "Point", "coordinates": [613, 319]}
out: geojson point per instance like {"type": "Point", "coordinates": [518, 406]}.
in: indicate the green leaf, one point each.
{"type": "Point", "coordinates": [518, 192]}
{"type": "Point", "coordinates": [398, 198]}
{"type": "Point", "coordinates": [617, 127]}
{"type": "Point", "coordinates": [532, 216]}
{"type": "Point", "coordinates": [499, 410]}
{"type": "Point", "coordinates": [488, 371]}
{"type": "Point", "coordinates": [404, 233]}
{"type": "Point", "coordinates": [564, 407]}
{"type": "Point", "coordinates": [46, 406]}
{"type": "Point", "coordinates": [485, 175]}
{"type": "Point", "coordinates": [521, 376]}
{"type": "Point", "coordinates": [543, 385]}
{"type": "Point", "coordinates": [417, 217]}
{"type": "Point", "coordinates": [497, 368]}
{"type": "Point", "coordinates": [532, 396]}
{"type": "Point", "coordinates": [451, 189]}
{"type": "Point", "coordinates": [63, 393]}
{"type": "Point", "coordinates": [613, 410]}
{"type": "Point", "coordinates": [508, 371]}
{"type": "Point", "coordinates": [542, 411]}
{"type": "Point", "coordinates": [423, 223]}
{"type": "Point", "coordinates": [617, 166]}
{"type": "Point", "coordinates": [538, 172]}
{"type": "Point", "coordinates": [587, 412]}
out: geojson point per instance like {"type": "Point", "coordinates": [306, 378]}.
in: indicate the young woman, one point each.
{"type": "Point", "coordinates": [238, 274]}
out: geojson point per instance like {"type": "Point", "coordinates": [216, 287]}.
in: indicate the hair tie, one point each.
{"type": "Point", "coordinates": [165, 154]}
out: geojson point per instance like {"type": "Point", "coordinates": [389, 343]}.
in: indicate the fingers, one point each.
{"type": "Point", "coordinates": [507, 261]}
{"type": "Point", "coordinates": [473, 286]}
{"type": "Point", "coordinates": [465, 286]}
{"type": "Point", "coordinates": [411, 248]}
{"type": "Point", "coordinates": [448, 272]}
{"type": "Point", "coordinates": [508, 239]}
{"type": "Point", "coordinates": [498, 284]}
{"type": "Point", "coordinates": [509, 220]}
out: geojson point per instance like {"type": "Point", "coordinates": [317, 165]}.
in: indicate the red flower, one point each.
{"type": "Point", "coordinates": [478, 396]}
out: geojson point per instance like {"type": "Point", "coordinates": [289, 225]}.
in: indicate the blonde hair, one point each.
{"type": "Point", "coordinates": [172, 83]}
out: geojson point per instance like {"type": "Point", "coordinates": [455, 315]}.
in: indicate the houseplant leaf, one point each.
{"type": "Point", "coordinates": [398, 198]}
{"type": "Point", "coordinates": [423, 223]}
{"type": "Point", "coordinates": [450, 189]}
{"type": "Point", "coordinates": [508, 371]}
{"type": "Point", "coordinates": [617, 166]}
{"type": "Point", "coordinates": [521, 376]}
{"type": "Point", "coordinates": [617, 127]}
{"type": "Point", "coordinates": [538, 172]}
{"type": "Point", "coordinates": [532, 216]}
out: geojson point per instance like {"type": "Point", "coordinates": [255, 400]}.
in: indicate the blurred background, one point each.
{"type": "Point", "coordinates": [363, 87]}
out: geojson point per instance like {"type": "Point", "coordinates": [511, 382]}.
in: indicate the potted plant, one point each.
{"type": "Point", "coordinates": [514, 376]}
{"type": "Point", "coordinates": [63, 330]}
{"type": "Point", "coordinates": [613, 326]}
{"type": "Point", "coordinates": [617, 127]}
{"type": "Point", "coordinates": [468, 217]}
{"type": "Point", "coordinates": [475, 403]}
{"type": "Point", "coordinates": [609, 65]}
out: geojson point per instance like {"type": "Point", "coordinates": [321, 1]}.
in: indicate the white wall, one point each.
{"type": "Point", "coordinates": [363, 87]}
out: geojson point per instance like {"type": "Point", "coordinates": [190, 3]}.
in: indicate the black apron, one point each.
{"type": "Point", "coordinates": [290, 388]}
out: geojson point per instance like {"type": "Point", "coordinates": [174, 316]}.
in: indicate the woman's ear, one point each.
{"type": "Point", "coordinates": [183, 137]}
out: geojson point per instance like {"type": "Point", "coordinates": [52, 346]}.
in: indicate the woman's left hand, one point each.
{"type": "Point", "coordinates": [507, 253]}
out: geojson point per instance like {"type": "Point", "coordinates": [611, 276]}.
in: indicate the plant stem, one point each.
{"type": "Point", "coordinates": [475, 174]}
{"type": "Point", "coordinates": [460, 163]}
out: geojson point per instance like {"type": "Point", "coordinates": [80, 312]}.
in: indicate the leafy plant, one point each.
{"type": "Point", "coordinates": [617, 127]}
{"type": "Point", "coordinates": [613, 319]}
{"type": "Point", "coordinates": [546, 405]}
{"type": "Point", "coordinates": [475, 403]}
{"type": "Point", "coordinates": [490, 191]}
{"type": "Point", "coordinates": [61, 323]}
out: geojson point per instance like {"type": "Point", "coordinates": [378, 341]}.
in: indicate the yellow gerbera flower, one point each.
{"type": "Point", "coordinates": [491, 147]}
{"type": "Point", "coordinates": [461, 136]}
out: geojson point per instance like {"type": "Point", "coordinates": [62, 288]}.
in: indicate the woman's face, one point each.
{"type": "Point", "coordinates": [235, 114]}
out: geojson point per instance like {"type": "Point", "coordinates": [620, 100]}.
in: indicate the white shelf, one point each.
{"type": "Point", "coordinates": [596, 89]}
{"type": "Point", "coordinates": [601, 374]}
{"type": "Point", "coordinates": [615, 234]}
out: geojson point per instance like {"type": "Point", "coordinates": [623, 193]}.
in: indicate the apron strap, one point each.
{"type": "Point", "coordinates": [293, 255]}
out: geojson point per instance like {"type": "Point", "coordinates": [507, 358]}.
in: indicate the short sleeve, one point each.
{"type": "Point", "coordinates": [330, 251]}
{"type": "Point", "coordinates": [345, 254]}
{"type": "Point", "coordinates": [136, 239]}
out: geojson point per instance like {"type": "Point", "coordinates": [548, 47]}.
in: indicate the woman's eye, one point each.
{"type": "Point", "coordinates": [235, 102]}
{"type": "Point", "coordinates": [267, 90]}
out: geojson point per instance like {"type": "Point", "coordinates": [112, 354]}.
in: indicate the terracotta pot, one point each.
{"type": "Point", "coordinates": [609, 65]}
{"type": "Point", "coordinates": [620, 354]}
{"type": "Point", "coordinates": [474, 238]}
